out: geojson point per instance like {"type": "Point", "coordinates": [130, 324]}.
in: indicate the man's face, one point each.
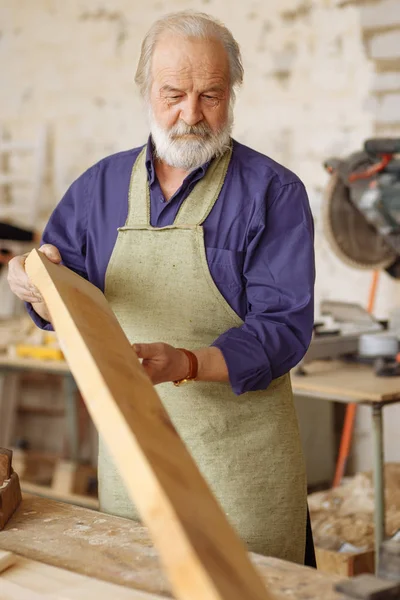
{"type": "Point", "coordinates": [190, 111]}
{"type": "Point", "coordinates": [190, 81]}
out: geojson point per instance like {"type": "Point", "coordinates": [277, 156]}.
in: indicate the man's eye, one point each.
{"type": "Point", "coordinates": [174, 97]}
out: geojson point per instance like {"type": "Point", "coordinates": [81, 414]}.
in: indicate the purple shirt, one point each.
{"type": "Point", "coordinates": [259, 247]}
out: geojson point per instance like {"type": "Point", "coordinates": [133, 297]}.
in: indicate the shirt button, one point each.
{"type": "Point", "coordinates": [162, 199]}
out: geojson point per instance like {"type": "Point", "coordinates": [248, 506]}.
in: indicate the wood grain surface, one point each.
{"type": "Point", "coordinates": [121, 551]}
{"type": "Point", "coordinates": [32, 580]}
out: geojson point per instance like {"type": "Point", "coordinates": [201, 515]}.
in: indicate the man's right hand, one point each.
{"type": "Point", "coordinates": [20, 283]}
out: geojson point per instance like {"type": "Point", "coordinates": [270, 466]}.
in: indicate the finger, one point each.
{"type": "Point", "coordinates": [148, 367]}
{"type": "Point", "coordinates": [20, 282]}
{"type": "Point", "coordinates": [26, 294]}
{"type": "Point", "coordinates": [17, 278]}
{"type": "Point", "coordinates": [145, 350]}
{"type": "Point", "coordinates": [154, 374]}
{"type": "Point", "coordinates": [35, 292]}
{"type": "Point", "coordinates": [51, 252]}
{"type": "Point", "coordinates": [25, 297]}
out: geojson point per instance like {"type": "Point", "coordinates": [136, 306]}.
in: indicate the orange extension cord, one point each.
{"type": "Point", "coordinates": [351, 409]}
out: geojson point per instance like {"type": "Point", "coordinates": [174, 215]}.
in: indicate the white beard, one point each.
{"type": "Point", "coordinates": [174, 148]}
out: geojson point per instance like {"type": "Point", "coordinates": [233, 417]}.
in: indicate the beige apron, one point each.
{"type": "Point", "coordinates": [248, 447]}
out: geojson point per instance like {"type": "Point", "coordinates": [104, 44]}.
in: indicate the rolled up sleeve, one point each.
{"type": "Point", "coordinates": [279, 276]}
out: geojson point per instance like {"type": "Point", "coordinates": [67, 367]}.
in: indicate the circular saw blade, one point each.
{"type": "Point", "coordinates": [349, 234]}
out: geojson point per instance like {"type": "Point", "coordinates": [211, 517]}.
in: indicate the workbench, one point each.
{"type": "Point", "coordinates": [327, 380]}
{"type": "Point", "coordinates": [65, 551]}
{"type": "Point", "coordinates": [355, 383]}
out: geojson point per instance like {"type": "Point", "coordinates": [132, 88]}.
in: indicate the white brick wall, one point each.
{"type": "Point", "coordinates": [388, 109]}
{"type": "Point", "coordinates": [72, 64]}
{"type": "Point", "coordinates": [385, 45]}
{"type": "Point", "coordinates": [386, 81]}
{"type": "Point", "coordinates": [380, 14]}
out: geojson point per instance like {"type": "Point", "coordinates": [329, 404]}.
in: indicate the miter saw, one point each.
{"type": "Point", "coordinates": [361, 211]}
{"type": "Point", "coordinates": [361, 218]}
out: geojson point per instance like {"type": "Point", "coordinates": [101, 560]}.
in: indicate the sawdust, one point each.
{"type": "Point", "coordinates": [345, 514]}
{"type": "Point", "coordinates": [109, 538]}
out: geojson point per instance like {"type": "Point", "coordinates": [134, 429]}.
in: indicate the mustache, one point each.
{"type": "Point", "coordinates": [181, 129]}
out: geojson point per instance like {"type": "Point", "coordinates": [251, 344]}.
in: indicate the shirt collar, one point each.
{"type": "Point", "coordinates": [197, 173]}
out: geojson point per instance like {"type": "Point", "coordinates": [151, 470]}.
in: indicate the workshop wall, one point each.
{"type": "Point", "coordinates": [320, 77]}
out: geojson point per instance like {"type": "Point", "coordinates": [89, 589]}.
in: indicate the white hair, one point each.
{"type": "Point", "coordinates": [190, 25]}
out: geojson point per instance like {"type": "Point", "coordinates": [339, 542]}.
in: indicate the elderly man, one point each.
{"type": "Point", "coordinates": [204, 249]}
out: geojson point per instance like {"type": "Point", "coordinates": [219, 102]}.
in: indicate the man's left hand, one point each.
{"type": "Point", "coordinates": [162, 362]}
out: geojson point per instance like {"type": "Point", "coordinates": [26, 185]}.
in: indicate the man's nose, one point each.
{"type": "Point", "coordinates": [191, 112]}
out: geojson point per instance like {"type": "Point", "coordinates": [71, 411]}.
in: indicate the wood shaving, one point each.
{"type": "Point", "coordinates": [345, 514]}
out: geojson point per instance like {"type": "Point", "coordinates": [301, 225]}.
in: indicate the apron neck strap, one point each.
{"type": "Point", "coordinates": [195, 208]}
{"type": "Point", "coordinates": [139, 194]}
{"type": "Point", "coordinates": [198, 205]}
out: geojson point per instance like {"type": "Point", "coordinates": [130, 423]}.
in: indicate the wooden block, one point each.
{"type": "Point", "coordinates": [5, 468]}
{"type": "Point", "coordinates": [5, 464]}
{"type": "Point", "coordinates": [10, 499]}
{"type": "Point", "coordinates": [7, 559]}
{"type": "Point", "coordinates": [202, 555]}
{"type": "Point", "coordinates": [347, 564]}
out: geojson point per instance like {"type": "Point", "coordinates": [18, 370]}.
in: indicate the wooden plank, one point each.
{"type": "Point", "coordinates": [12, 591]}
{"type": "Point", "coordinates": [33, 580]}
{"type": "Point", "coordinates": [347, 564]}
{"type": "Point", "coordinates": [355, 383]}
{"type": "Point", "coordinates": [203, 556]}
{"type": "Point", "coordinates": [120, 551]}
{"type": "Point", "coordinates": [7, 559]}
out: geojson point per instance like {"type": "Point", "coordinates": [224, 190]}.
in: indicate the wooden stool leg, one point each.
{"type": "Point", "coordinates": [9, 391]}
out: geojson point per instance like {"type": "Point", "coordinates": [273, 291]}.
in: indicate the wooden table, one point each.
{"type": "Point", "coordinates": [117, 551]}
{"type": "Point", "coordinates": [355, 383]}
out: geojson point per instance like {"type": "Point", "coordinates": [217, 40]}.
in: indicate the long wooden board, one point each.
{"type": "Point", "coordinates": [201, 553]}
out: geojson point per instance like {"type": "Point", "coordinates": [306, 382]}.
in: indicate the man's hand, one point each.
{"type": "Point", "coordinates": [20, 283]}
{"type": "Point", "coordinates": [162, 362]}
